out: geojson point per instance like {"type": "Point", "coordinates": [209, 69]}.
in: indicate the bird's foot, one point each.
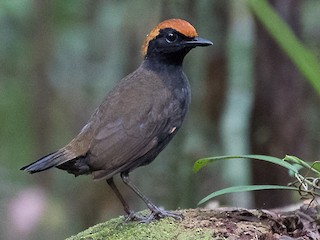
{"type": "Point", "coordinates": [158, 213]}
{"type": "Point", "coordinates": [132, 216]}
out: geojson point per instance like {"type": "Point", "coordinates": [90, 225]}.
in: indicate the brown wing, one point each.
{"type": "Point", "coordinates": [132, 121]}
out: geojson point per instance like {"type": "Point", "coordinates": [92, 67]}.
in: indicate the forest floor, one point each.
{"type": "Point", "coordinates": [221, 223]}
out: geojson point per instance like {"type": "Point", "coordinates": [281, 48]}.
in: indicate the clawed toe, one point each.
{"type": "Point", "coordinates": [132, 216]}
{"type": "Point", "coordinates": [156, 214]}
{"type": "Point", "coordinates": [162, 214]}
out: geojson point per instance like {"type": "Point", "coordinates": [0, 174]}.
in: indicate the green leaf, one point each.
{"type": "Point", "coordinates": [306, 62]}
{"type": "Point", "coordinates": [205, 161]}
{"type": "Point", "coordinates": [316, 166]}
{"type": "Point", "coordinates": [293, 159]}
{"type": "Point", "coordinates": [235, 189]}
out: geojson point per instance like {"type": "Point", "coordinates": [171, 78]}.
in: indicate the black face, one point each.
{"type": "Point", "coordinates": [172, 46]}
{"type": "Point", "coordinates": [168, 42]}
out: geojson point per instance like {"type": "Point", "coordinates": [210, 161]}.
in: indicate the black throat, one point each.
{"type": "Point", "coordinates": [162, 65]}
{"type": "Point", "coordinates": [172, 58]}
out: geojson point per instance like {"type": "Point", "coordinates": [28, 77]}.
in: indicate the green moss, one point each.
{"type": "Point", "coordinates": [118, 229]}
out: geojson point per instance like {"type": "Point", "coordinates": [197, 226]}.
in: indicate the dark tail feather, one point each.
{"type": "Point", "coordinates": [51, 160]}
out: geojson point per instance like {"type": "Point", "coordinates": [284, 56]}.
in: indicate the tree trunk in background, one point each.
{"type": "Point", "coordinates": [216, 76]}
{"type": "Point", "coordinates": [278, 124]}
{"type": "Point", "coordinates": [40, 90]}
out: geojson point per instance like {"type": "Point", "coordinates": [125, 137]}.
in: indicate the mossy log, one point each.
{"type": "Point", "coordinates": [222, 223]}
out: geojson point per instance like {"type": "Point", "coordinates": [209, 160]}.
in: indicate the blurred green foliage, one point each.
{"type": "Point", "coordinates": [303, 57]}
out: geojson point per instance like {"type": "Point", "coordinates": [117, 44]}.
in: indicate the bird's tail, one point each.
{"type": "Point", "coordinates": [51, 160]}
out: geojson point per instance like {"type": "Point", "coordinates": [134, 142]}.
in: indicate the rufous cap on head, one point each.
{"type": "Point", "coordinates": [179, 25]}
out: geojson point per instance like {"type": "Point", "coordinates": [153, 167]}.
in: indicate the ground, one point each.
{"type": "Point", "coordinates": [222, 223]}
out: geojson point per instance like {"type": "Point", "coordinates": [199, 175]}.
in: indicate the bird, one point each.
{"type": "Point", "coordinates": [137, 118]}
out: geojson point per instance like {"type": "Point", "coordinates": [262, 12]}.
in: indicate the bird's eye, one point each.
{"type": "Point", "coordinates": [171, 37]}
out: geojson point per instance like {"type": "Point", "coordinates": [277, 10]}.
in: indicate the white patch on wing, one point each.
{"type": "Point", "coordinates": [172, 130]}
{"type": "Point", "coordinates": [85, 127]}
